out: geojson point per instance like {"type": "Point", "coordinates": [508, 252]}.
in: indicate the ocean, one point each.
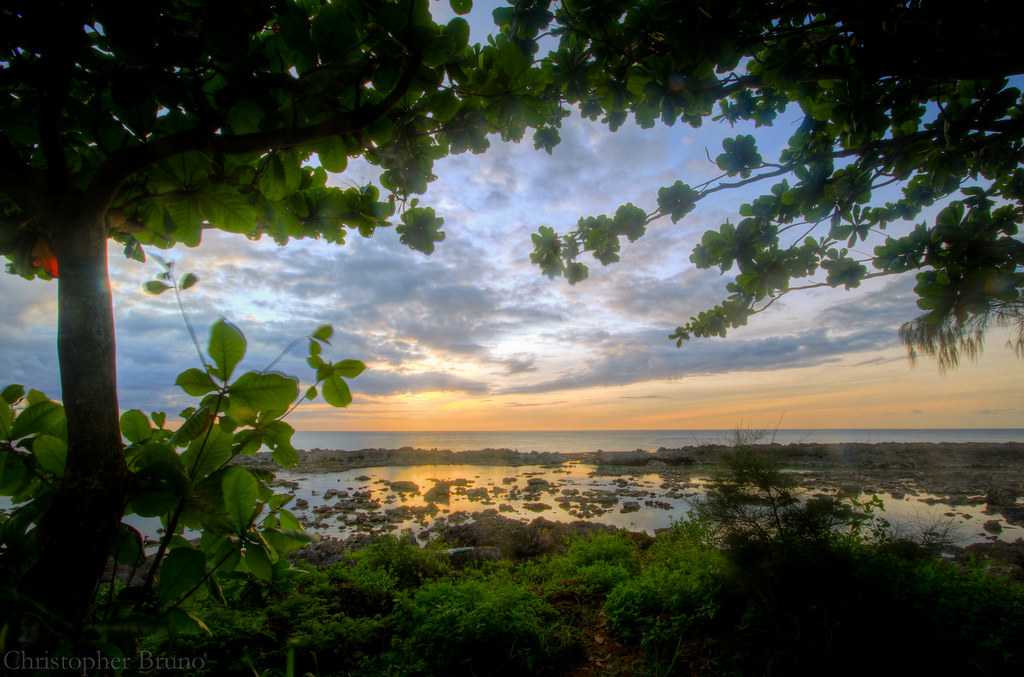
{"type": "Point", "coordinates": [570, 441]}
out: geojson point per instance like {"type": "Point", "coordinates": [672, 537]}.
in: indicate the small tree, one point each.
{"type": "Point", "coordinates": [888, 95]}
{"type": "Point", "coordinates": [149, 122]}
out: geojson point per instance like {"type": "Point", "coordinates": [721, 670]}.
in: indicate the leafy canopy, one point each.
{"type": "Point", "coordinates": [910, 133]}
{"type": "Point", "coordinates": [230, 115]}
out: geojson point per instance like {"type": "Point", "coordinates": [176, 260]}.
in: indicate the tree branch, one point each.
{"type": "Point", "coordinates": [124, 163]}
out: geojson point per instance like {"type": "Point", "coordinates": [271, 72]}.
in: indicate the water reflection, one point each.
{"type": "Point", "coordinates": [638, 502]}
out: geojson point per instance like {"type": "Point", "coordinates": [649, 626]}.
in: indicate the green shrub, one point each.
{"type": "Point", "coordinates": [792, 609]}
{"type": "Point", "coordinates": [599, 561]}
{"type": "Point", "coordinates": [390, 565]}
{"type": "Point", "coordinates": [751, 499]}
{"type": "Point", "coordinates": [473, 627]}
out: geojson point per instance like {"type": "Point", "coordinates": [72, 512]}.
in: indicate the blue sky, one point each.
{"type": "Point", "coordinates": [475, 337]}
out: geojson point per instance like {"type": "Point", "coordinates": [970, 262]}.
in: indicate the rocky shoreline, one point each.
{"type": "Point", "coordinates": [976, 485]}
{"type": "Point", "coordinates": [529, 502]}
{"type": "Point", "coordinates": [842, 455]}
{"type": "Point", "coordinates": [959, 469]}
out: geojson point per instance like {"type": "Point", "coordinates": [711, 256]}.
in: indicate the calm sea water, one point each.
{"type": "Point", "coordinates": [569, 441]}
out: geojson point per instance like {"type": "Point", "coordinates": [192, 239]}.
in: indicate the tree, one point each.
{"type": "Point", "coordinates": [150, 122]}
{"type": "Point", "coordinates": [906, 115]}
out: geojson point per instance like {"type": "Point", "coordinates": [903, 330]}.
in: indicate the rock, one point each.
{"type": "Point", "coordinates": [460, 557]}
{"type": "Point", "coordinates": [992, 526]}
{"type": "Point", "coordinates": [536, 507]}
{"type": "Point", "coordinates": [997, 498]}
{"type": "Point", "coordinates": [1013, 514]}
{"type": "Point", "coordinates": [335, 493]}
{"type": "Point", "coordinates": [301, 504]}
{"type": "Point", "coordinates": [630, 506]}
{"type": "Point", "coordinates": [403, 487]}
{"type": "Point", "coordinates": [439, 493]}
{"type": "Point", "coordinates": [509, 480]}
{"type": "Point", "coordinates": [331, 550]}
{"type": "Point", "coordinates": [363, 478]}
{"type": "Point", "coordinates": [996, 551]}
{"type": "Point", "coordinates": [505, 507]}
{"type": "Point", "coordinates": [478, 494]}
{"type": "Point", "coordinates": [515, 539]}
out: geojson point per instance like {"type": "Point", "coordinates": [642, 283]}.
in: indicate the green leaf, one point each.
{"type": "Point", "coordinates": [333, 33]}
{"type": "Point", "coordinates": [285, 455]}
{"type": "Point", "coordinates": [207, 453]}
{"type": "Point", "coordinates": [135, 426]}
{"type": "Point", "coordinates": [461, 6]}
{"type": "Point", "coordinates": [186, 213]}
{"type": "Point", "coordinates": [349, 368]}
{"type": "Point", "coordinates": [333, 154]}
{"type": "Point", "coordinates": [227, 348]}
{"type": "Point", "coordinates": [289, 521]}
{"type": "Point", "coordinates": [51, 453]}
{"type": "Point", "coordinates": [42, 417]}
{"type": "Point", "coordinates": [286, 540]}
{"type": "Point", "coordinates": [258, 561]}
{"type": "Point", "coordinates": [7, 420]}
{"type": "Point", "coordinates": [264, 392]}
{"type": "Point", "coordinates": [155, 287]}
{"type": "Point", "coordinates": [245, 117]}
{"type": "Point", "coordinates": [182, 570]}
{"type": "Point", "coordinates": [420, 229]}
{"type": "Point", "coordinates": [14, 476]}
{"type": "Point", "coordinates": [195, 382]}
{"type": "Point", "coordinates": [323, 333]}
{"type": "Point", "coordinates": [158, 417]}
{"type": "Point", "coordinates": [13, 393]}
{"type": "Point", "coordinates": [228, 210]}
{"type": "Point", "coordinates": [272, 179]}
{"type": "Point", "coordinates": [241, 492]}
{"type": "Point", "coordinates": [193, 426]}
{"type": "Point", "coordinates": [188, 280]}
{"type": "Point", "coordinates": [128, 546]}
{"type": "Point", "coordinates": [336, 391]}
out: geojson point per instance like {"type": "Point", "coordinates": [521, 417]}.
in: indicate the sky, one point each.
{"type": "Point", "coordinates": [474, 337]}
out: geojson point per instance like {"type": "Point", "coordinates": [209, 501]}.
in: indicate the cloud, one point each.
{"type": "Point", "coordinates": [535, 404]}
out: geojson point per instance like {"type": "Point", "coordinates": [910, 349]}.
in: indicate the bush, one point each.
{"type": "Point", "coordinates": [391, 564]}
{"type": "Point", "coordinates": [473, 627]}
{"type": "Point", "coordinates": [675, 593]}
{"type": "Point", "coordinates": [598, 561]}
{"type": "Point", "coordinates": [751, 499]}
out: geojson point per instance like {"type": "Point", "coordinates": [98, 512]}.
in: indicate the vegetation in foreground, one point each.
{"type": "Point", "coordinates": [762, 582]}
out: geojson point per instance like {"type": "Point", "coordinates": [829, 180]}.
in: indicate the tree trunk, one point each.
{"type": "Point", "coordinates": [77, 530]}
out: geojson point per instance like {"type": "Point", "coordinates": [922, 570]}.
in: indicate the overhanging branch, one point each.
{"type": "Point", "coordinates": [124, 163]}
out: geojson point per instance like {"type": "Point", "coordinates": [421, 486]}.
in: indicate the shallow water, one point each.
{"type": "Point", "coordinates": [912, 511]}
